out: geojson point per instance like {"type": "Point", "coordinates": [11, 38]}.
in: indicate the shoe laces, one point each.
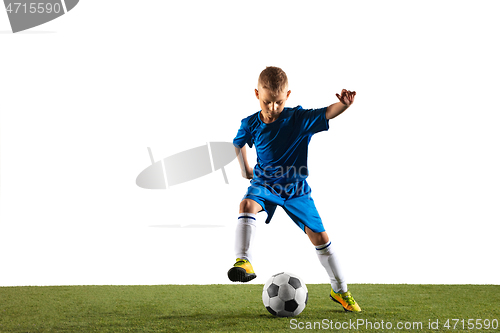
{"type": "Point", "coordinates": [240, 262]}
{"type": "Point", "coordinates": [349, 299]}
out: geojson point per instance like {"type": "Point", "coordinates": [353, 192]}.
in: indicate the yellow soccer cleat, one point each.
{"type": "Point", "coordinates": [242, 271]}
{"type": "Point", "coordinates": [346, 300]}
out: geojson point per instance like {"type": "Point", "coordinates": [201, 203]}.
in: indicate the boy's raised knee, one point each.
{"type": "Point", "coordinates": [249, 206]}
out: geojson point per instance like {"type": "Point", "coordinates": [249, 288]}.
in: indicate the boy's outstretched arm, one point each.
{"type": "Point", "coordinates": [346, 98]}
{"type": "Point", "coordinates": [246, 170]}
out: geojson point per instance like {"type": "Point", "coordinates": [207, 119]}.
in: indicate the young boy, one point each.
{"type": "Point", "coordinates": [281, 137]}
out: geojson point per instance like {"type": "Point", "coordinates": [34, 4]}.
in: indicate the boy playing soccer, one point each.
{"type": "Point", "coordinates": [281, 137]}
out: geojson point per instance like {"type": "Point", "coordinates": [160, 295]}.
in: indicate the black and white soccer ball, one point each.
{"type": "Point", "coordinates": [285, 295]}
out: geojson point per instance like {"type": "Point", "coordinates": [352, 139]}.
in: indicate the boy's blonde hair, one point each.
{"type": "Point", "coordinates": [273, 79]}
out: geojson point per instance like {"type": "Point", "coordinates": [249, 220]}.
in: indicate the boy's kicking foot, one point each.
{"type": "Point", "coordinates": [346, 300]}
{"type": "Point", "coordinates": [242, 271]}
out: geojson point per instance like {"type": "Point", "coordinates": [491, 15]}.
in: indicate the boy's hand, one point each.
{"type": "Point", "coordinates": [248, 174]}
{"type": "Point", "coordinates": [346, 97]}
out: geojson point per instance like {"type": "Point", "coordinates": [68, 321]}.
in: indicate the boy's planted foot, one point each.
{"type": "Point", "coordinates": [346, 300]}
{"type": "Point", "coordinates": [242, 271]}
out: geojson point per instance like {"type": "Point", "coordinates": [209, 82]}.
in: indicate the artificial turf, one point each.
{"type": "Point", "coordinates": [239, 308]}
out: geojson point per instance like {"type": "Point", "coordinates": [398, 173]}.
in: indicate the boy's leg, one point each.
{"type": "Point", "coordinates": [303, 212]}
{"type": "Point", "coordinates": [245, 229]}
{"type": "Point", "coordinates": [328, 259]}
{"type": "Point", "coordinates": [242, 270]}
{"type": "Point", "coordinates": [339, 292]}
{"type": "Point", "coordinates": [258, 197]}
{"type": "Point", "coordinates": [249, 206]}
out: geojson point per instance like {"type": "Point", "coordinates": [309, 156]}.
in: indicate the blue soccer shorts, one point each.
{"type": "Point", "coordinates": [294, 198]}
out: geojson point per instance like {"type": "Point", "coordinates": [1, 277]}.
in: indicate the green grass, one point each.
{"type": "Point", "coordinates": [236, 308]}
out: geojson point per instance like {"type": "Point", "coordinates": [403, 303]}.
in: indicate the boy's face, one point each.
{"type": "Point", "coordinates": [271, 105]}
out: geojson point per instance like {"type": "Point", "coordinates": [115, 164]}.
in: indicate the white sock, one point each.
{"type": "Point", "coordinates": [245, 231]}
{"type": "Point", "coordinates": [332, 267]}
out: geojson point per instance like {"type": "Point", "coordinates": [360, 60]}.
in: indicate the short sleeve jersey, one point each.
{"type": "Point", "coordinates": [283, 144]}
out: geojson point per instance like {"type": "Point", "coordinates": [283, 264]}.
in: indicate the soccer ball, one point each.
{"type": "Point", "coordinates": [285, 295]}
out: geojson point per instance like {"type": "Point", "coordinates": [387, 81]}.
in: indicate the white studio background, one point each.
{"type": "Point", "coordinates": [406, 181]}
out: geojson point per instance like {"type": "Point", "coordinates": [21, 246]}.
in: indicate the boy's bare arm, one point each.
{"type": "Point", "coordinates": [246, 170]}
{"type": "Point", "coordinates": [346, 99]}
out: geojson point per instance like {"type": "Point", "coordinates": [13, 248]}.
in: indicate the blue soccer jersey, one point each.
{"type": "Point", "coordinates": [281, 145]}
{"type": "Point", "coordinates": [279, 178]}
